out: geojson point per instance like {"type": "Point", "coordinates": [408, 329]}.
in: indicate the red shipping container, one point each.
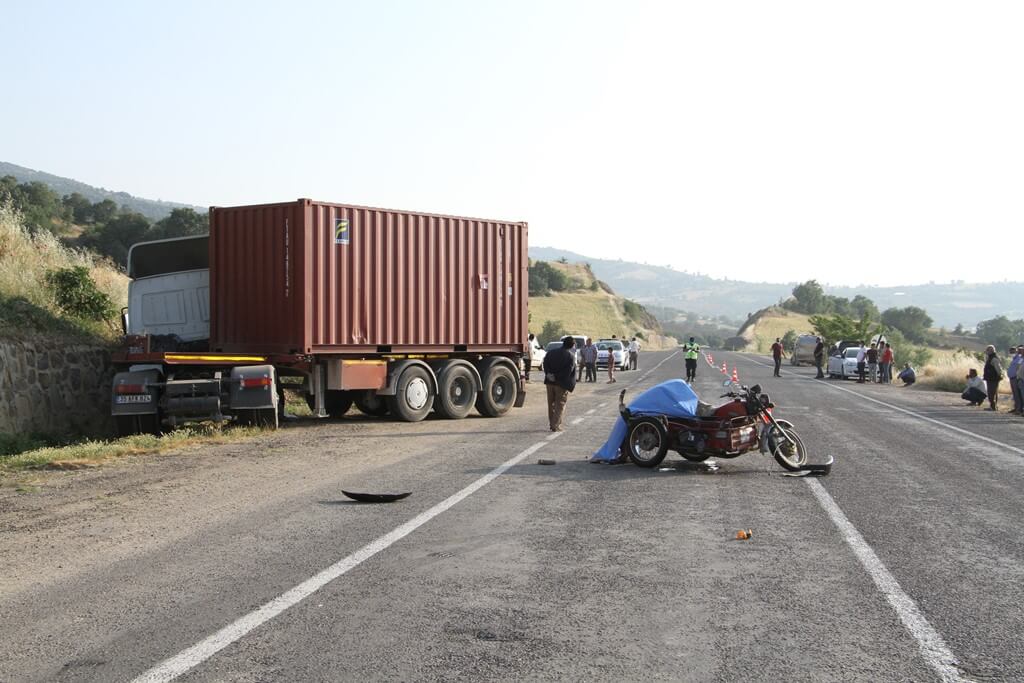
{"type": "Point", "coordinates": [310, 277]}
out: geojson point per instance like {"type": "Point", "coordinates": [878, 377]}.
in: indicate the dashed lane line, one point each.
{"type": "Point", "coordinates": [188, 659]}
{"type": "Point", "coordinates": [931, 645]}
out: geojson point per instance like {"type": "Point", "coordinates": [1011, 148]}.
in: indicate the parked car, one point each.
{"type": "Point", "coordinates": [537, 354]}
{"type": "Point", "coordinates": [803, 349]}
{"type": "Point", "coordinates": [618, 352]}
{"type": "Point", "coordinates": [844, 364]}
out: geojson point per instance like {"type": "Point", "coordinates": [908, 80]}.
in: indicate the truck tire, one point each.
{"type": "Point", "coordinates": [264, 418]}
{"type": "Point", "coordinates": [371, 404]}
{"type": "Point", "coordinates": [336, 402]}
{"type": "Point", "coordinates": [414, 395]}
{"type": "Point", "coordinates": [456, 393]}
{"type": "Point", "coordinates": [130, 425]}
{"type": "Point", "coordinates": [499, 391]}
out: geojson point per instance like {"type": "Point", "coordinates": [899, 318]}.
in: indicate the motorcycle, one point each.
{"type": "Point", "coordinates": [743, 424]}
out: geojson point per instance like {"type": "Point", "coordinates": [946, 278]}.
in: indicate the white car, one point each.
{"type": "Point", "coordinates": [537, 354]}
{"type": "Point", "coordinates": [844, 364]}
{"type": "Point", "coordinates": [619, 354]}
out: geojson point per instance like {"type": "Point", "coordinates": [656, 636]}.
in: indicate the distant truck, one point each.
{"type": "Point", "coordinates": [397, 312]}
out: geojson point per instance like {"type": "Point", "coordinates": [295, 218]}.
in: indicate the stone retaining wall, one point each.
{"type": "Point", "coordinates": [55, 388]}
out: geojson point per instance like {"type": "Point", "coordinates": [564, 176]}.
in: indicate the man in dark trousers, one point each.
{"type": "Point", "coordinates": [560, 379]}
{"type": "Point", "coordinates": [819, 357]}
{"type": "Point", "coordinates": [691, 350]}
{"type": "Point", "coordinates": [778, 353]}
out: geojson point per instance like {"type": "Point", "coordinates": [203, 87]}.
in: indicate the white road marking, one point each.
{"type": "Point", "coordinates": [932, 646]}
{"type": "Point", "coordinates": [578, 420]}
{"type": "Point", "coordinates": [602, 405]}
{"type": "Point", "coordinates": [200, 652]}
{"type": "Point", "coordinates": [591, 411]}
{"type": "Point", "coordinates": [919, 416]}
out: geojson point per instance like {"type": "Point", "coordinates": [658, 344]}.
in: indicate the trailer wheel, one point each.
{"type": "Point", "coordinates": [457, 393]}
{"type": "Point", "coordinates": [265, 418]}
{"type": "Point", "coordinates": [130, 425]}
{"type": "Point", "coordinates": [499, 391]}
{"type": "Point", "coordinates": [414, 395]}
{"type": "Point", "coordinates": [371, 404]}
{"type": "Point", "coordinates": [336, 402]}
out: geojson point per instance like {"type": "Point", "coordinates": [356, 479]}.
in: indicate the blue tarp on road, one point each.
{"type": "Point", "coordinates": [673, 398]}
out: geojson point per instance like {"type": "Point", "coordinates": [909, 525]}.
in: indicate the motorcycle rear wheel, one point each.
{"type": "Point", "coordinates": [647, 442]}
{"type": "Point", "coordinates": [792, 455]}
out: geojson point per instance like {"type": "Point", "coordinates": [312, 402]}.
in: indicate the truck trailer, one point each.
{"type": "Point", "coordinates": [394, 311]}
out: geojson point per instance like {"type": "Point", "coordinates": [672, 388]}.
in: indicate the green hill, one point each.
{"type": "Point", "coordinates": [150, 208]}
{"type": "Point", "coordinates": [592, 309]}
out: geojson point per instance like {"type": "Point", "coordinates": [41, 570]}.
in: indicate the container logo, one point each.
{"type": "Point", "coordinates": [341, 231]}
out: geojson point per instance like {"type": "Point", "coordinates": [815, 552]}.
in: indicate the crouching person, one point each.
{"type": "Point", "coordinates": [976, 392]}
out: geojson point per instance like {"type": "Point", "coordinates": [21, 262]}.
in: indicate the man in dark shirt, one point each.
{"type": "Point", "coordinates": [819, 357]}
{"type": "Point", "coordinates": [560, 379]}
{"type": "Point", "coordinates": [777, 354]}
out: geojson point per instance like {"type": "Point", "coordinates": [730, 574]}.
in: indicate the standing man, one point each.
{"type": "Point", "coordinates": [589, 358]}
{"type": "Point", "coordinates": [560, 379]}
{"type": "Point", "coordinates": [690, 351]}
{"type": "Point", "coordinates": [993, 374]}
{"type": "Point", "coordinates": [819, 357]}
{"type": "Point", "coordinates": [528, 358]}
{"type": "Point", "coordinates": [862, 357]}
{"type": "Point", "coordinates": [872, 358]}
{"type": "Point", "coordinates": [778, 353]}
{"type": "Point", "coordinates": [1013, 373]}
{"type": "Point", "coordinates": [634, 353]}
{"type": "Point", "coordinates": [885, 363]}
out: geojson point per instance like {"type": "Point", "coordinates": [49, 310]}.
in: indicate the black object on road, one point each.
{"type": "Point", "coordinates": [377, 497]}
{"type": "Point", "coordinates": [813, 470]}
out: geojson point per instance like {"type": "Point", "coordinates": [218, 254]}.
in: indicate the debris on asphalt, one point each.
{"type": "Point", "coordinates": [376, 497]}
{"type": "Point", "coordinates": [545, 461]}
{"type": "Point", "coordinates": [742, 535]}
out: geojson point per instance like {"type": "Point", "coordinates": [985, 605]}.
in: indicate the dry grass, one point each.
{"type": "Point", "coordinates": [594, 314]}
{"type": "Point", "coordinates": [947, 371]}
{"type": "Point", "coordinates": [774, 326]}
{"type": "Point", "coordinates": [94, 453]}
{"type": "Point", "coordinates": [25, 259]}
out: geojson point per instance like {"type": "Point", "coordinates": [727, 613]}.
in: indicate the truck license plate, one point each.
{"type": "Point", "coordinates": [134, 398]}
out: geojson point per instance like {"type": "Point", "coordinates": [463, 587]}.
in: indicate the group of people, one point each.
{"type": "Point", "coordinates": [562, 372]}
{"type": "Point", "coordinates": [986, 386]}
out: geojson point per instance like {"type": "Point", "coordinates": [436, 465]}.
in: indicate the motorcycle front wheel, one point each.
{"type": "Point", "coordinates": [790, 453]}
{"type": "Point", "coordinates": [647, 442]}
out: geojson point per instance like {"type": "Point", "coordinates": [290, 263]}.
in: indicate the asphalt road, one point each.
{"type": "Point", "coordinates": [904, 564]}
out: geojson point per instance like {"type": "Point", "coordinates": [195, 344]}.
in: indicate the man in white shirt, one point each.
{"type": "Point", "coordinates": [634, 353]}
{"type": "Point", "coordinates": [862, 357]}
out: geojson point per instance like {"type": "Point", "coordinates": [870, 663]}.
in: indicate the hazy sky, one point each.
{"type": "Point", "coordinates": [870, 142]}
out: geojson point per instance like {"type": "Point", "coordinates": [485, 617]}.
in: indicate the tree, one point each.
{"type": "Point", "coordinates": [553, 330]}
{"type": "Point", "coordinates": [79, 206]}
{"type": "Point", "coordinates": [789, 339]}
{"type": "Point", "coordinates": [862, 306]}
{"type": "Point", "coordinates": [114, 238]}
{"type": "Point", "coordinates": [181, 223]}
{"type": "Point", "coordinates": [1001, 332]}
{"type": "Point", "coordinates": [810, 298]}
{"type": "Point", "coordinates": [835, 328]}
{"type": "Point", "coordinates": [911, 321]}
{"type": "Point", "coordinates": [104, 211]}
{"type": "Point", "coordinates": [959, 329]}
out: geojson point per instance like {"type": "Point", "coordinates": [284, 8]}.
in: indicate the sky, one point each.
{"type": "Point", "coordinates": [876, 143]}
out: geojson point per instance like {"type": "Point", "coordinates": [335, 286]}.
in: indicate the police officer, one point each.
{"type": "Point", "coordinates": [690, 351]}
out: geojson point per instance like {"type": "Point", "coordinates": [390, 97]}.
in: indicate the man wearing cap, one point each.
{"type": "Point", "coordinates": [819, 357]}
{"type": "Point", "coordinates": [560, 379]}
{"type": "Point", "coordinates": [690, 351]}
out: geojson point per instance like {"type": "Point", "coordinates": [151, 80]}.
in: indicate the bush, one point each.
{"type": "Point", "coordinates": [13, 444]}
{"type": "Point", "coordinates": [553, 330]}
{"type": "Point", "coordinates": [76, 294]}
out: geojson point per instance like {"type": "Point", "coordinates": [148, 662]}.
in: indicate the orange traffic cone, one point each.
{"type": "Point", "coordinates": [725, 370]}
{"type": "Point", "coordinates": [735, 376]}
